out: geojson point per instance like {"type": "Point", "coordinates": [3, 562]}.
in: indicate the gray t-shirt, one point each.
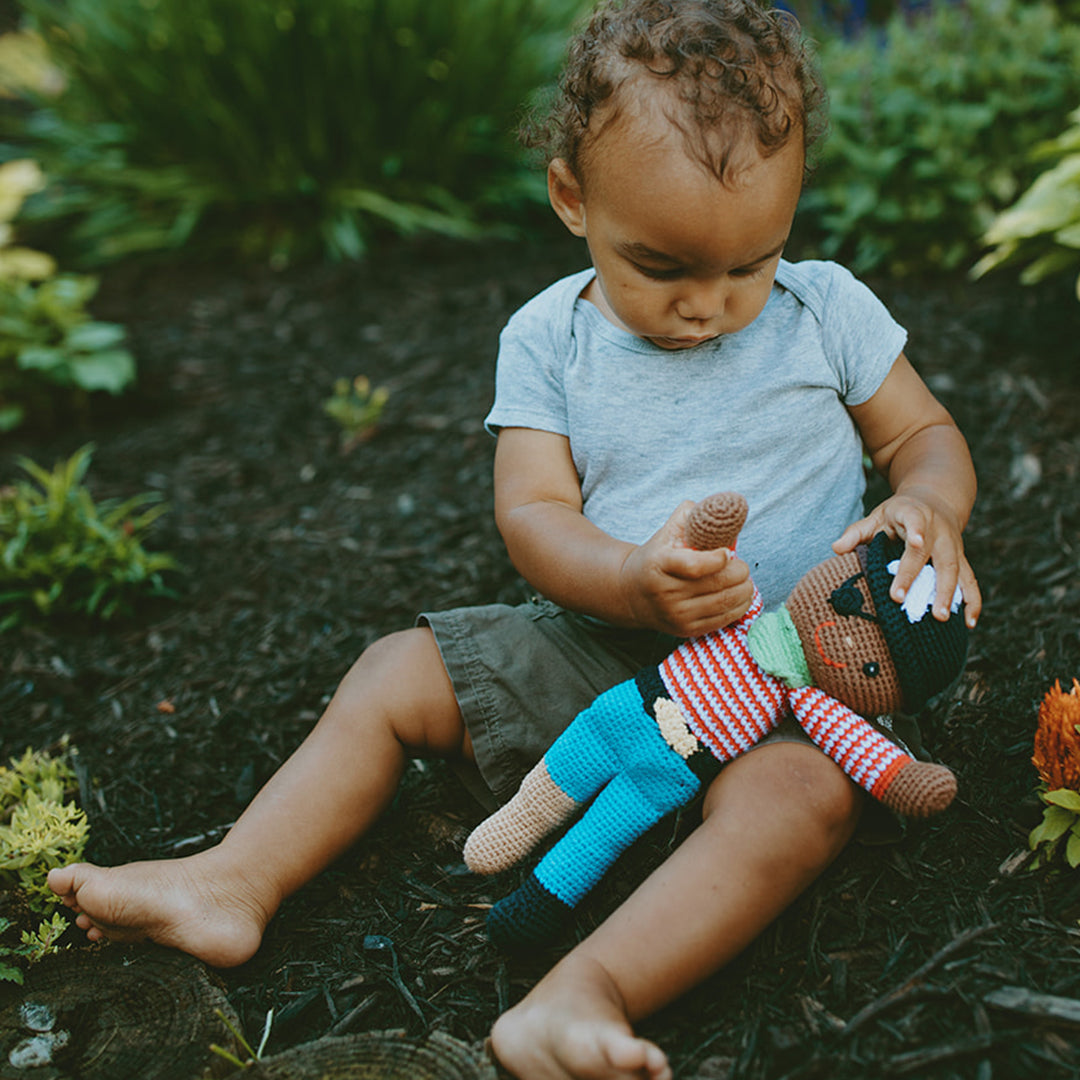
{"type": "Point", "coordinates": [762, 412]}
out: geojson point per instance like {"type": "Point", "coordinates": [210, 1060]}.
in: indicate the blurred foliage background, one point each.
{"type": "Point", "coordinates": [277, 130]}
{"type": "Point", "coordinates": [936, 114]}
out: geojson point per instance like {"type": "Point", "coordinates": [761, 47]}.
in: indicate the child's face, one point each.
{"type": "Point", "coordinates": [679, 257]}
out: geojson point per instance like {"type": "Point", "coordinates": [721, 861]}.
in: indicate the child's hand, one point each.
{"type": "Point", "coordinates": [677, 590]}
{"type": "Point", "coordinates": [931, 534]}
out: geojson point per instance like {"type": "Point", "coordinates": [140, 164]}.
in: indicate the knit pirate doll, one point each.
{"type": "Point", "coordinates": [839, 650]}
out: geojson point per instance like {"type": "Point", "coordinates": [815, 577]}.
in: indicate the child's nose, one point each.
{"type": "Point", "coordinates": [701, 301]}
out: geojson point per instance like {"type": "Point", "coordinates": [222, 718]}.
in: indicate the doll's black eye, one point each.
{"type": "Point", "coordinates": [871, 669]}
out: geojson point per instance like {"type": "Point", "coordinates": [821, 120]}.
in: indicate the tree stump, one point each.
{"type": "Point", "coordinates": [375, 1055]}
{"type": "Point", "coordinates": [114, 1013]}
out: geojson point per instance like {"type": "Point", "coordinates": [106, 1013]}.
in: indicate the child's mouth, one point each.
{"type": "Point", "coordinates": [682, 342]}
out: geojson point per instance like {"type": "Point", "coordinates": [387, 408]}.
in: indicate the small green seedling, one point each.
{"type": "Point", "coordinates": [252, 1055]}
{"type": "Point", "coordinates": [357, 408]}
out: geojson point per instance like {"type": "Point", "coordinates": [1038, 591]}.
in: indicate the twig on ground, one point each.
{"type": "Point", "coordinates": [1050, 1008]}
{"type": "Point", "coordinates": [914, 981]}
{"type": "Point", "coordinates": [925, 1056]}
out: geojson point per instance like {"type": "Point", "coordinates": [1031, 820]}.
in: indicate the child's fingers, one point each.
{"type": "Point", "coordinates": [690, 565]}
{"type": "Point", "coordinates": [969, 586]}
{"type": "Point", "coordinates": [706, 613]}
{"type": "Point", "coordinates": [947, 577]}
{"type": "Point", "coordinates": [860, 532]}
{"type": "Point", "coordinates": [911, 562]}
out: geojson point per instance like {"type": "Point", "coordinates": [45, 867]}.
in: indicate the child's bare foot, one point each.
{"type": "Point", "coordinates": [192, 904]}
{"type": "Point", "coordinates": [573, 1026]}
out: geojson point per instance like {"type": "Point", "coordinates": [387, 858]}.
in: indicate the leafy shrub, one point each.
{"type": "Point", "coordinates": [269, 123]}
{"type": "Point", "coordinates": [47, 340]}
{"type": "Point", "coordinates": [931, 120]}
{"type": "Point", "coordinates": [39, 829]}
{"type": "Point", "coordinates": [60, 553]}
{"type": "Point", "coordinates": [1043, 226]}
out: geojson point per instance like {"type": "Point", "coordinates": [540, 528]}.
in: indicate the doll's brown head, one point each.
{"type": "Point", "coordinates": [863, 648]}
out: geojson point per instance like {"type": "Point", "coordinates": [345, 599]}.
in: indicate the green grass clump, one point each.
{"type": "Point", "coordinates": [62, 554]}
{"type": "Point", "coordinates": [271, 126]}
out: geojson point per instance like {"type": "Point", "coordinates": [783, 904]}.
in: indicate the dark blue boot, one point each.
{"type": "Point", "coordinates": [529, 917]}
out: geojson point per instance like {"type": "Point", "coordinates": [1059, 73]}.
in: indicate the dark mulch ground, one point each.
{"type": "Point", "coordinates": [297, 557]}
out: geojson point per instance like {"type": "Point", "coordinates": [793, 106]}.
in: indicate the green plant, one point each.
{"type": "Point", "coordinates": [357, 408]}
{"type": "Point", "coordinates": [931, 121]}
{"type": "Point", "coordinates": [1043, 226]}
{"type": "Point", "coordinates": [60, 553]}
{"type": "Point", "coordinates": [272, 125]}
{"type": "Point", "coordinates": [49, 776]}
{"type": "Point", "coordinates": [47, 340]}
{"type": "Point", "coordinates": [32, 946]}
{"type": "Point", "coordinates": [39, 830]}
{"type": "Point", "coordinates": [41, 834]}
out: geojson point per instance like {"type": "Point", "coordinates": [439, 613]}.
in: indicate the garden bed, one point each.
{"type": "Point", "coordinates": [297, 556]}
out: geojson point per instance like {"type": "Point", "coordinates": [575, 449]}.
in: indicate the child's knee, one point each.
{"type": "Point", "coordinates": [400, 682]}
{"type": "Point", "coordinates": [793, 791]}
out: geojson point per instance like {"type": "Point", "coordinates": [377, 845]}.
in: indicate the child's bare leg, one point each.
{"type": "Point", "coordinates": [396, 702]}
{"type": "Point", "coordinates": [773, 821]}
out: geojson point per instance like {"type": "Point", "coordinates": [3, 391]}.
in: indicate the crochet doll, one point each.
{"type": "Point", "coordinates": [840, 649]}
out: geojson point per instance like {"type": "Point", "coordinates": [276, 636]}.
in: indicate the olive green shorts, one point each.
{"type": "Point", "coordinates": [522, 673]}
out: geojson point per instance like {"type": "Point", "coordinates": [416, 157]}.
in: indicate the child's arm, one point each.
{"type": "Point", "coordinates": [915, 444]}
{"type": "Point", "coordinates": [661, 584]}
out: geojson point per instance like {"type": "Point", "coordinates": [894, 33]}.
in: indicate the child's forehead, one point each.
{"type": "Point", "coordinates": [642, 194]}
{"type": "Point", "coordinates": [647, 117]}
{"type": "Point", "coordinates": [646, 110]}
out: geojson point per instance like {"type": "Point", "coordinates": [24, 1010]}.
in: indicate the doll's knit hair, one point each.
{"type": "Point", "coordinates": [736, 70]}
{"type": "Point", "coordinates": [928, 654]}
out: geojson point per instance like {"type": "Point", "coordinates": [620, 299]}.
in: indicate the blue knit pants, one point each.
{"type": "Point", "coordinates": [614, 755]}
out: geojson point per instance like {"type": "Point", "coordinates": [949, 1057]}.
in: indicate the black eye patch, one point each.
{"type": "Point", "coordinates": [846, 599]}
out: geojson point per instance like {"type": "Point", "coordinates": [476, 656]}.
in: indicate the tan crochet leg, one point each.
{"type": "Point", "coordinates": [506, 837]}
{"type": "Point", "coordinates": [921, 789]}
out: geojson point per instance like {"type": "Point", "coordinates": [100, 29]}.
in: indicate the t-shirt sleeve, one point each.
{"type": "Point", "coordinates": [861, 338]}
{"type": "Point", "coordinates": [529, 383]}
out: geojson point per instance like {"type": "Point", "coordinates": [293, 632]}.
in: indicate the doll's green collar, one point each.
{"type": "Point", "coordinates": [774, 644]}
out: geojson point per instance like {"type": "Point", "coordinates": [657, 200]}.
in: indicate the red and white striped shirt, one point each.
{"type": "Point", "coordinates": [730, 703]}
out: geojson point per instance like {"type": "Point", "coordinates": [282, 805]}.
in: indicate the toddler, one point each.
{"type": "Point", "coordinates": [689, 358]}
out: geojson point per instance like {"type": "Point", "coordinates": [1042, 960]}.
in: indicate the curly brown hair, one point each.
{"type": "Point", "coordinates": [735, 67]}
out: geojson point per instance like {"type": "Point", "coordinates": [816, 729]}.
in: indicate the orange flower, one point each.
{"type": "Point", "coordinates": [1057, 742]}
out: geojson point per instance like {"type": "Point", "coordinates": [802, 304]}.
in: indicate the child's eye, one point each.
{"type": "Point", "coordinates": [749, 271]}
{"type": "Point", "coordinates": [667, 274]}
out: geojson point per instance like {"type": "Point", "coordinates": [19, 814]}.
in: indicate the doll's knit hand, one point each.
{"type": "Point", "coordinates": [930, 533]}
{"type": "Point", "coordinates": [670, 587]}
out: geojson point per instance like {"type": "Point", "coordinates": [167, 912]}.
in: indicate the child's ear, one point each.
{"type": "Point", "coordinates": [564, 193]}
